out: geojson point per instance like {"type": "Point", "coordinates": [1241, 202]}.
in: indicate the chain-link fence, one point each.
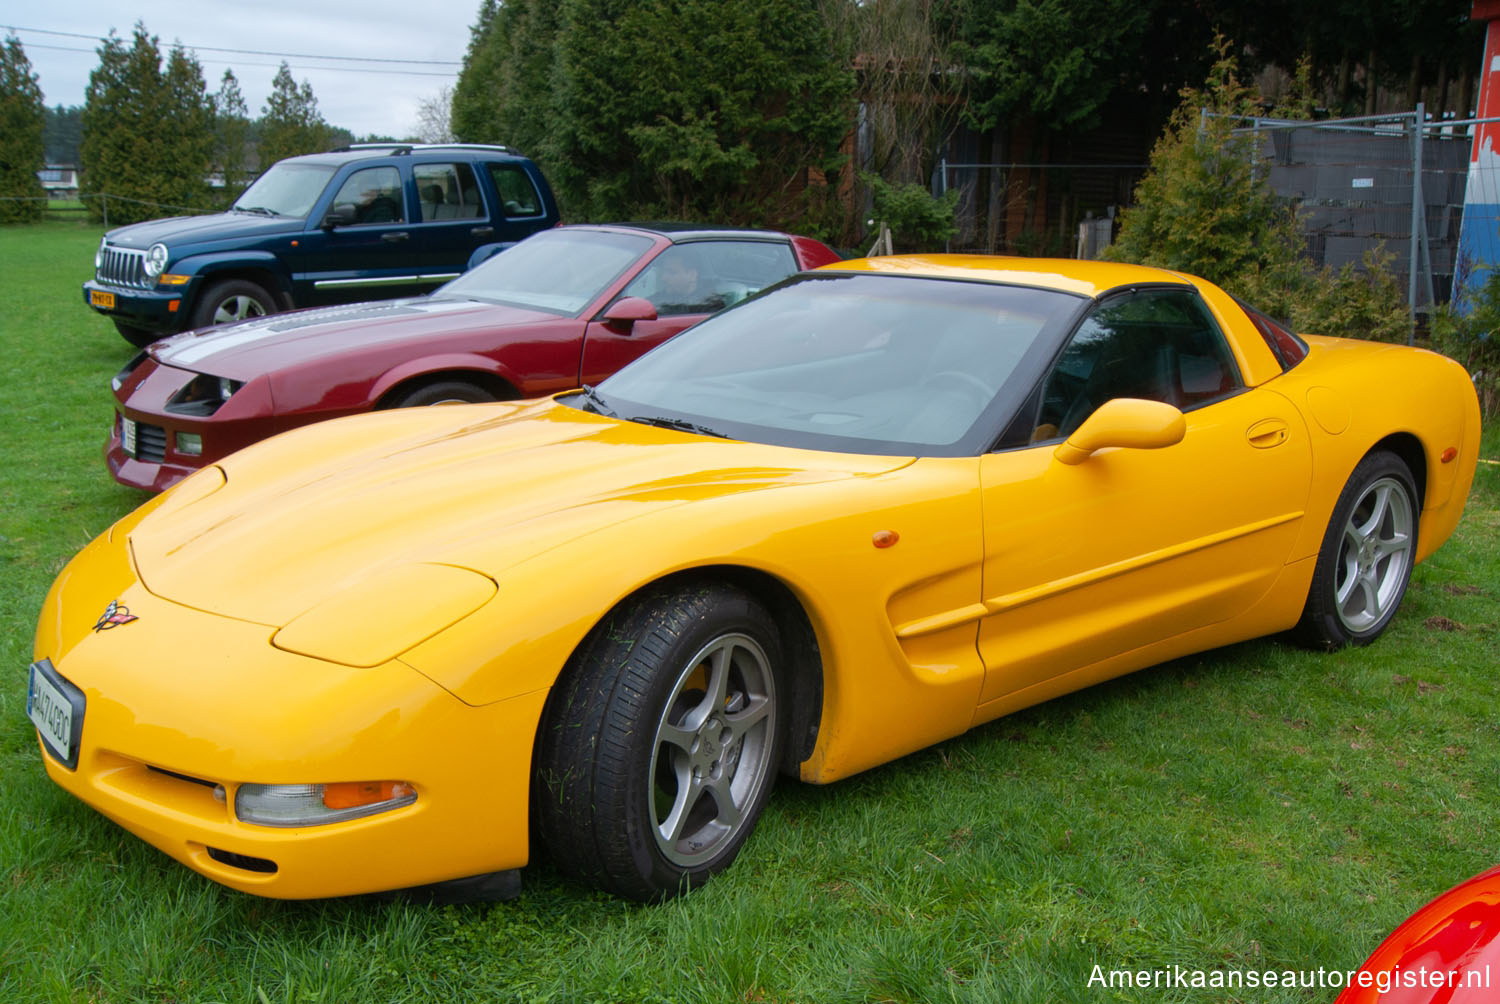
{"type": "Point", "coordinates": [78, 206]}
{"type": "Point", "coordinates": [1391, 183]}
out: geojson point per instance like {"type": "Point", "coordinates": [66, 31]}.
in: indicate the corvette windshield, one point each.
{"type": "Point", "coordinates": [855, 363]}
{"type": "Point", "coordinates": [285, 190]}
{"type": "Point", "coordinates": [559, 271]}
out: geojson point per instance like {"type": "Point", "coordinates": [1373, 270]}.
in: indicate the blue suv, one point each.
{"type": "Point", "coordinates": [365, 222]}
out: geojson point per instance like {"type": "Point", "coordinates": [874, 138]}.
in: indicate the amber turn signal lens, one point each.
{"type": "Point", "coordinates": [1449, 454]}
{"type": "Point", "coordinates": [352, 794]}
{"type": "Point", "coordinates": [885, 538]}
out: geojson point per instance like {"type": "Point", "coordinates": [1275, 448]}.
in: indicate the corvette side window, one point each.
{"type": "Point", "coordinates": [1157, 344]}
{"type": "Point", "coordinates": [375, 194]}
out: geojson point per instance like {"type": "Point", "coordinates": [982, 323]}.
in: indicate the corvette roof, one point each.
{"type": "Point", "coordinates": [1069, 275]}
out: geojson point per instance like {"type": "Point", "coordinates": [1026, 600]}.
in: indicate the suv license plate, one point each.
{"type": "Point", "coordinates": [127, 435]}
{"type": "Point", "coordinates": [56, 715]}
{"type": "Point", "coordinates": [99, 298]}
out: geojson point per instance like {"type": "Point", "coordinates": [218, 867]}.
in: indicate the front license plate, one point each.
{"type": "Point", "coordinates": [127, 435]}
{"type": "Point", "coordinates": [55, 707]}
{"type": "Point", "coordinates": [99, 298]}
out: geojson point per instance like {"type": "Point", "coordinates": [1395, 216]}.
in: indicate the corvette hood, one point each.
{"type": "Point", "coordinates": [308, 515]}
{"type": "Point", "coordinates": [199, 229]}
{"type": "Point", "coordinates": [249, 348]}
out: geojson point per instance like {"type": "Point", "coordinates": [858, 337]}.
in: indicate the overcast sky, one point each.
{"type": "Point", "coordinates": [372, 87]}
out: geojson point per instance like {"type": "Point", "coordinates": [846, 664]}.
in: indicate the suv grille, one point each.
{"type": "Point", "coordinates": [123, 267]}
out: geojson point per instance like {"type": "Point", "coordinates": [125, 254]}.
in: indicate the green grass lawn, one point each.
{"type": "Point", "coordinates": [1256, 807]}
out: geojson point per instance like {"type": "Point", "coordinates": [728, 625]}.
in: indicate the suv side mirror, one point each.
{"type": "Point", "coordinates": [626, 311]}
{"type": "Point", "coordinates": [339, 216]}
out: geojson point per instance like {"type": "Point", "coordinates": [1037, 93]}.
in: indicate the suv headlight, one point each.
{"type": "Point", "coordinates": [156, 260]}
{"type": "Point", "coordinates": [99, 254]}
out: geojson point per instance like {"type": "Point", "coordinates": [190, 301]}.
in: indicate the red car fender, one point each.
{"type": "Point", "coordinates": [457, 363]}
{"type": "Point", "coordinates": [1448, 952]}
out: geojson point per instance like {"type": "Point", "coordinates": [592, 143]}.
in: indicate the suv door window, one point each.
{"type": "Point", "coordinates": [704, 276]}
{"type": "Point", "coordinates": [1156, 344]}
{"type": "Point", "coordinates": [375, 194]}
{"type": "Point", "coordinates": [518, 195]}
{"type": "Point", "coordinates": [447, 192]}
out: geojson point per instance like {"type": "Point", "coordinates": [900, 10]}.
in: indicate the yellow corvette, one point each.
{"type": "Point", "coordinates": [863, 512]}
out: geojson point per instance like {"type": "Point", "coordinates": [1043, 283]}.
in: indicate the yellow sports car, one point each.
{"type": "Point", "coordinates": [880, 504]}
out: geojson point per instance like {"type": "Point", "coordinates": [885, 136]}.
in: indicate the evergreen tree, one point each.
{"type": "Point", "coordinates": [290, 123]}
{"type": "Point", "coordinates": [22, 121]}
{"type": "Point", "coordinates": [692, 109]}
{"type": "Point", "coordinates": [232, 137]}
{"type": "Point", "coordinates": [1204, 207]}
{"type": "Point", "coordinates": [63, 134]}
{"type": "Point", "coordinates": [147, 136]}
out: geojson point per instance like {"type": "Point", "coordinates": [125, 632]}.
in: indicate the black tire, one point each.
{"type": "Point", "coordinates": [442, 392]}
{"type": "Point", "coordinates": [139, 337]}
{"type": "Point", "coordinates": [1366, 557]}
{"type": "Point", "coordinates": [634, 749]}
{"type": "Point", "coordinates": [232, 300]}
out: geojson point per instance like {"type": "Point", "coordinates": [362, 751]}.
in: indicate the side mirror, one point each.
{"type": "Point", "coordinates": [339, 216]}
{"type": "Point", "coordinates": [1126, 422]}
{"type": "Point", "coordinates": [627, 310]}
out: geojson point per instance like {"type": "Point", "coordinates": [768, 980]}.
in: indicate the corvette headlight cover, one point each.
{"type": "Point", "coordinates": [315, 804]}
{"type": "Point", "coordinates": [385, 614]}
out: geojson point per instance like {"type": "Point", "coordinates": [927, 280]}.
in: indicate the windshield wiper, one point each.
{"type": "Point", "coordinates": [262, 210]}
{"type": "Point", "coordinates": [591, 397]}
{"type": "Point", "coordinates": [681, 424]}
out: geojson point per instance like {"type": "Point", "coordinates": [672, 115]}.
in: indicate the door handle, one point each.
{"type": "Point", "coordinates": [1266, 433]}
{"type": "Point", "coordinates": [482, 232]}
{"type": "Point", "coordinates": [395, 237]}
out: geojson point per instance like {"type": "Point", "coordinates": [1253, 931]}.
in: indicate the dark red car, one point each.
{"type": "Point", "coordinates": [565, 307]}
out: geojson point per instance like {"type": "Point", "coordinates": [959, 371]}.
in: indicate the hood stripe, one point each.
{"type": "Point", "coordinates": [205, 346]}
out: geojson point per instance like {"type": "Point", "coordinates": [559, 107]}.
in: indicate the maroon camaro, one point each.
{"type": "Point", "coordinates": [565, 307]}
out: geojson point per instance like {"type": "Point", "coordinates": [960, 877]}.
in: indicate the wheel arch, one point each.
{"type": "Point", "coordinates": [805, 660]}
{"type": "Point", "coordinates": [1409, 449]}
{"type": "Point", "coordinates": [398, 383]}
{"type": "Point", "coordinates": [265, 271]}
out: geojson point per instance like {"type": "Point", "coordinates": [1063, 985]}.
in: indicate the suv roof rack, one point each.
{"type": "Point", "coordinates": [405, 148]}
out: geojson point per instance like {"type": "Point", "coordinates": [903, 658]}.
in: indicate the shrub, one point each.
{"type": "Point", "coordinates": [918, 221]}
{"type": "Point", "coordinates": [1473, 338]}
{"type": "Point", "coordinates": [1204, 207]}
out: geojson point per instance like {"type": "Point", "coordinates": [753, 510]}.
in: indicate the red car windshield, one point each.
{"type": "Point", "coordinates": [559, 271]}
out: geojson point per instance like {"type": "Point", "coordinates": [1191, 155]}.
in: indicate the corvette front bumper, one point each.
{"type": "Point", "coordinates": [181, 707]}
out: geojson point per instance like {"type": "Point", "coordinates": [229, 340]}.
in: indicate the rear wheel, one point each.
{"type": "Point", "coordinates": [139, 337]}
{"type": "Point", "coordinates": [657, 752]}
{"type": "Point", "coordinates": [232, 300]}
{"type": "Point", "coordinates": [1366, 558]}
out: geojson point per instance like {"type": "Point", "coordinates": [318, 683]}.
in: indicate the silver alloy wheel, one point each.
{"type": "Point", "coordinates": [237, 308]}
{"type": "Point", "coordinates": [1374, 555]}
{"type": "Point", "coordinates": [712, 751]}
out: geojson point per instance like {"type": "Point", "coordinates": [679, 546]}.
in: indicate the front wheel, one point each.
{"type": "Point", "coordinates": [232, 300]}
{"type": "Point", "coordinates": [139, 337]}
{"type": "Point", "coordinates": [1366, 558]}
{"type": "Point", "coordinates": [658, 750]}
{"type": "Point", "coordinates": [442, 392]}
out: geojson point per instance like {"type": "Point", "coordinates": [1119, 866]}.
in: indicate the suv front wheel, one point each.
{"type": "Point", "coordinates": [232, 300]}
{"type": "Point", "coordinates": [139, 337]}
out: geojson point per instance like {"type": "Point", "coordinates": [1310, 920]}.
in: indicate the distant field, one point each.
{"type": "Point", "coordinates": [1256, 807]}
